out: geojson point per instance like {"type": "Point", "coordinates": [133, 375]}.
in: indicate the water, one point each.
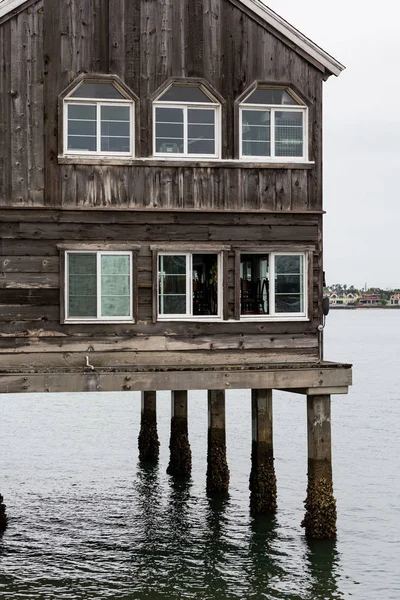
{"type": "Point", "coordinates": [86, 522]}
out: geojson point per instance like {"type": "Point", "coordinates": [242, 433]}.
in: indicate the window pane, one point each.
{"type": "Point", "coordinates": [289, 284]}
{"type": "Point", "coordinates": [82, 285]}
{"type": "Point", "coordinates": [185, 93]}
{"type": "Point", "coordinates": [270, 96]}
{"type": "Point", "coordinates": [288, 133]}
{"type": "Point", "coordinates": [115, 286]}
{"type": "Point", "coordinates": [84, 143]}
{"type": "Point", "coordinates": [254, 284]}
{"type": "Point", "coordinates": [172, 285]}
{"type": "Point", "coordinates": [169, 130]}
{"type": "Point", "coordinates": [175, 265]}
{"type": "Point", "coordinates": [115, 129]}
{"type": "Point", "coordinates": [101, 89]}
{"type": "Point", "coordinates": [82, 127]}
{"type": "Point", "coordinates": [172, 305]}
{"type": "Point", "coordinates": [205, 284]}
{"type": "Point", "coordinates": [82, 112]}
{"type": "Point", "coordinates": [256, 133]}
{"type": "Point", "coordinates": [201, 131]}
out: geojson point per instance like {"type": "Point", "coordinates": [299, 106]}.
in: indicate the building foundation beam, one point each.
{"type": "Point", "coordinates": [149, 445]}
{"type": "Point", "coordinates": [262, 476]}
{"type": "Point", "coordinates": [320, 518]}
{"type": "Point", "coordinates": [180, 463]}
{"type": "Point", "coordinates": [217, 466]}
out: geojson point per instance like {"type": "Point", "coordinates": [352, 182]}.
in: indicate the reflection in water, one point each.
{"type": "Point", "coordinates": [323, 564]}
{"type": "Point", "coordinates": [264, 565]}
{"type": "Point", "coordinates": [215, 547]}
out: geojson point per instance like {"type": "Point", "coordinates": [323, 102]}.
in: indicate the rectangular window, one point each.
{"type": "Point", "coordinates": [99, 286]}
{"type": "Point", "coordinates": [189, 285]}
{"type": "Point", "coordinates": [99, 128]}
{"type": "Point", "coordinates": [272, 284]}
{"type": "Point", "coordinates": [186, 131]}
{"type": "Point", "coordinates": [273, 133]}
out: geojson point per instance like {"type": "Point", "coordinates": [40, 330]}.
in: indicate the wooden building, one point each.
{"type": "Point", "coordinates": [161, 204]}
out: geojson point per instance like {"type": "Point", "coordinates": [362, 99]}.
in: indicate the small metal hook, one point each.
{"type": "Point", "coordinates": [89, 366]}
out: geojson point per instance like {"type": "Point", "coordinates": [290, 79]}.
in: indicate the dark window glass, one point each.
{"type": "Point", "coordinates": [271, 96]}
{"type": "Point", "coordinates": [205, 284]}
{"type": "Point", "coordinates": [184, 93]}
{"type": "Point", "coordinates": [115, 128]}
{"type": "Point", "coordinates": [169, 130]}
{"type": "Point", "coordinates": [201, 131]}
{"type": "Point", "coordinates": [256, 133]}
{"type": "Point", "coordinates": [289, 284]}
{"type": "Point", "coordinates": [82, 127]}
{"type": "Point", "coordinates": [98, 90]}
{"type": "Point", "coordinates": [254, 284]}
{"type": "Point", "coordinates": [82, 285]}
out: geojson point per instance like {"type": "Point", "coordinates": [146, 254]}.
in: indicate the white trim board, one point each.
{"type": "Point", "coordinates": [7, 6]}
{"type": "Point", "coordinates": [272, 18]}
{"type": "Point", "coordinates": [266, 14]}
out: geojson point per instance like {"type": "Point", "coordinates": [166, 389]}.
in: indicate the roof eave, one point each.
{"type": "Point", "coordinates": [332, 66]}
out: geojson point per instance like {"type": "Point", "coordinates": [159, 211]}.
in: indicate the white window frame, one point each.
{"type": "Point", "coordinates": [273, 315]}
{"type": "Point", "coordinates": [185, 106]}
{"type": "Point", "coordinates": [99, 318]}
{"type": "Point", "coordinates": [99, 102]}
{"type": "Point", "coordinates": [189, 288]}
{"type": "Point", "coordinates": [272, 109]}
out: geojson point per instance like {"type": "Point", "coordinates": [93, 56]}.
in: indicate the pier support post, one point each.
{"type": "Point", "coordinates": [217, 466]}
{"type": "Point", "coordinates": [148, 437]}
{"type": "Point", "coordinates": [3, 516]}
{"type": "Point", "coordinates": [262, 476]}
{"type": "Point", "coordinates": [180, 463]}
{"type": "Point", "coordinates": [320, 518]}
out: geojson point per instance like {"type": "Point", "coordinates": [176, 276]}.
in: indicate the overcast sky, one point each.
{"type": "Point", "coordinates": [361, 135]}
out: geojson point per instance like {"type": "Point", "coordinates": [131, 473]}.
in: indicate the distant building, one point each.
{"type": "Point", "coordinates": [394, 300]}
{"type": "Point", "coordinates": [337, 299]}
{"type": "Point", "coordinates": [370, 300]}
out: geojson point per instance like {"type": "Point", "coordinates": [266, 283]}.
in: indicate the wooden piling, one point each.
{"type": "Point", "coordinates": [149, 444]}
{"type": "Point", "coordinates": [320, 518]}
{"type": "Point", "coordinates": [262, 477]}
{"type": "Point", "coordinates": [180, 464]}
{"type": "Point", "coordinates": [3, 515]}
{"type": "Point", "coordinates": [217, 466]}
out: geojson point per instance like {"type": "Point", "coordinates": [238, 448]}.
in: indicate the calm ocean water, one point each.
{"type": "Point", "coordinates": [86, 522]}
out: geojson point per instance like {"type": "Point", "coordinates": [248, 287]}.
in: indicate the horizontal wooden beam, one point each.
{"type": "Point", "coordinates": [314, 379]}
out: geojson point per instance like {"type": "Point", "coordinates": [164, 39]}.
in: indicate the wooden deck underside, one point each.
{"type": "Point", "coordinates": [324, 378]}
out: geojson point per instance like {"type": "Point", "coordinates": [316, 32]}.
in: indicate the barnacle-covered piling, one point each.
{"type": "Point", "coordinates": [180, 463]}
{"type": "Point", "coordinates": [262, 476]}
{"type": "Point", "coordinates": [320, 518]}
{"type": "Point", "coordinates": [149, 444]}
{"type": "Point", "coordinates": [217, 466]}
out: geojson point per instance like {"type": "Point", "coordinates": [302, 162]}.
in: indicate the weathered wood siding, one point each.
{"type": "Point", "coordinates": [45, 47]}
{"type": "Point", "coordinates": [31, 334]}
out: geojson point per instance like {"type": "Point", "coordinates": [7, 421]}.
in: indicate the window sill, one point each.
{"type": "Point", "coordinates": [190, 320]}
{"type": "Point", "coordinates": [97, 322]}
{"type": "Point", "coordinates": [271, 319]}
{"type": "Point", "coordinates": [184, 161]}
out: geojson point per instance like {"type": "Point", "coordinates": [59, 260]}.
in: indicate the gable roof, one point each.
{"type": "Point", "coordinates": [332, 66]}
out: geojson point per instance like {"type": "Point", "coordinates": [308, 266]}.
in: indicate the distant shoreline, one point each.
{"type": "Point", "coordinates": [343, 307]}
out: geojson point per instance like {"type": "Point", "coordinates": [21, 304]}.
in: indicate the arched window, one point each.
{"type": "Point", "coordinates": [98, 120]}
{"type": "Point", "coordinates": [186, 122]}
{"type": "Point", "coordinates": [273, 125]}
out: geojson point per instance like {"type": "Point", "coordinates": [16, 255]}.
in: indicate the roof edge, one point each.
{"type": "Point", "coordinates": [7, 7]}
{"type": "Point", "coordinates": [294, 35]}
